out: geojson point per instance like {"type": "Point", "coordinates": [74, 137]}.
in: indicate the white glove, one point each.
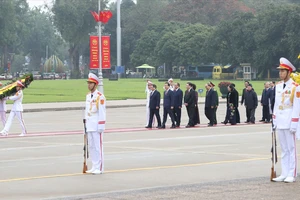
{"type": "Point", "coordinates": [100, 130]}
{"type": "Point", "coordinates": [293, 127]}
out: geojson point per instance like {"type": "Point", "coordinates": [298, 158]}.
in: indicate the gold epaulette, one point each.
{"type": "Point", "coordinates": [99, 93]}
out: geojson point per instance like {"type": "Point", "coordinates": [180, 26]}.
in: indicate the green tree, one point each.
{"type": "Point", "coordinates": [185, 46]}
{"type": "Point", "coordinates": [145, 50]}
{"type": "Point", "coordinates": [75, 22]}
{"type": "Point", "coordinates": [41, 34]}
{"type": "Point", "coordinates": [277, 35]}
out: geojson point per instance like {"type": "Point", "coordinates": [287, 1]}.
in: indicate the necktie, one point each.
{"type": "Point", "coordinates": [151, 93]}
{"type": "Point", "coordinates": [91, 95]}
{"type": "Point", "coordinates": [283, 85]}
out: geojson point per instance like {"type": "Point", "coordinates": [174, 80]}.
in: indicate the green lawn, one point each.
{"type": "Point", "coordinates": [41, 91]}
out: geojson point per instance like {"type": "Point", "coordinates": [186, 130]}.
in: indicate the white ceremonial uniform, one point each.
{"type": "Point", "coordinates": [286, 121]}
{"type": "Point", "coordinates": [16, 110]}
{"type": "Point", "coordinates": [95, 115]}
{"type": "Point", "coordinates": [3, 110]}
{"type": "Point", "coordinates": [148, 92]}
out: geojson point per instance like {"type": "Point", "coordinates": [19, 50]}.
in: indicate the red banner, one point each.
{"type": "Point", "coordinates": [94, 52]}
{"type": "Point", "coordinates": [105, 52]}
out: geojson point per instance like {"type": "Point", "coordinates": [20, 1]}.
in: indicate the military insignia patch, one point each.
{"type": "Point", "coordinates": [102, 101]}
{"type": "Point", "coordinates": [298, 94]}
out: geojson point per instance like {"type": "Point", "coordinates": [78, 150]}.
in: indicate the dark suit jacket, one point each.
{"type": "Point", "coordinates": [251, 99]}
{"type": "Point", "coordinates": [178, 95]}
{"type": "Point", "coordinates": [189, 98]}
{"type": "Point", "coordinates": [265, 96]}
{"type": "Point", "coordinates": [232, 98]}
{"type": "Point", "coordinates": [210, 99]}
{"type": "Point", "coordinates": [272, 97]}
{"type": "Point", "coordinates": [243, 95]}
{"type": "Point", "coordinates": [168, 99]}
{"type": "Point", "coordinates": [154, 100]}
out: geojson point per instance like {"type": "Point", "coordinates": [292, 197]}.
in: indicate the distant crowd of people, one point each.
{"type": "Point", "coordinates": [174, 99]}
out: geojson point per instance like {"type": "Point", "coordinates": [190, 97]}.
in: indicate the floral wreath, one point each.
{"type": "Point", "coordinates": [10, 88]}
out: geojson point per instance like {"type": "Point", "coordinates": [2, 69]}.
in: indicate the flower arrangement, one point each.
{"type": "Point", "coordinates": [232, 110]}
{"type": "Point", "coordinates": [9, 89]}
{"type": "Point", "coordinates": [223, 88]}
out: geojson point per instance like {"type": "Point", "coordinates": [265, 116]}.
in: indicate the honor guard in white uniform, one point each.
{"type": "Point", "coordinates": [95, 116]}
{"type": "Point", "coordinates": [16, 110]}
{"type": "Point", "coordinates": [148, 92]}
{"type": "Point", "coordinates": [3, 110]}
{"type": "Point", "coordinates": [285, 120]}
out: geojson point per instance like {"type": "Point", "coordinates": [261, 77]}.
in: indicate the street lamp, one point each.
{"type": "Point", "coordinates": [100, 86]}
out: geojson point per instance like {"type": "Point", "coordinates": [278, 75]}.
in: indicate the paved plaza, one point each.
{"type": "Point", "coordinates": [222, 162]}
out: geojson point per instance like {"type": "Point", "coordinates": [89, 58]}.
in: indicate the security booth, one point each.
{"type": "Point", "coordinates": [249, 73]}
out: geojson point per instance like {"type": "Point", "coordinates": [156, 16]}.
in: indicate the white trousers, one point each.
{"type": "Point", "coordinates": [11, 116]}
{"type": "Point", "coordinates": [148, 116]}
{"type": "Point", "coordinates": [3, 117]}
{"type": "Point", "coordinates": [288, 153]}
{"type": "Point", "coordinates": [95, 143]}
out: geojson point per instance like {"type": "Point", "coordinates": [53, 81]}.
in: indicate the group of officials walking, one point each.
{"type": "Point", "coordinates": [173, 99]}
{"type": "Point", "coordinates": [281, 101]}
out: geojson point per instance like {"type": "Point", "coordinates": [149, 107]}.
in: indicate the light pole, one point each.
{"type": "Point", "coordinates": [100, 86]}
{"type": "Point", "coordinates": [118, 32]}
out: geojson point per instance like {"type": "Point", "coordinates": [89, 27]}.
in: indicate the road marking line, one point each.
{"type": "Point", "coordinates": [136, 129]}
{"type": "Point", "coordinates": [183, 150]}
{"type": "Point", "coordinates": [136, 169]}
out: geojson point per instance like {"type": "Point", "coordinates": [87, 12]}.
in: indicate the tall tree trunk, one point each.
{"type": "Point", "coordinates": [74, 60]}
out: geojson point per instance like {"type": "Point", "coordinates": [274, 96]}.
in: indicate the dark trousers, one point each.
{"type": "Point", "coordinates": [168, 111]}
{"type": "Point", "coordinates": [209, 113]}
{"type": "Point", "coordinates": [177, 115]}
{"type": "Point", "coordinates": [247, 114]}
{"type": "Point", "coordinates": [238, 120]}
{"type": "Point", "coordinates": [266, 113]}
{"type": "Point", "coordinates": [156, 113]}
{"type": "Point", "coordinates": [215, 115]}
{"type": "Point", "coordinates": [250, 114]}
{"type": "Point", "coordinates": [191, 112]}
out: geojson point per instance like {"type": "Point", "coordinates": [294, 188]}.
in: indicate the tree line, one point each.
{"type": "Point", "coordinates": [174, 32]}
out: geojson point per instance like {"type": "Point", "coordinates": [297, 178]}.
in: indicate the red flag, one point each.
{"type": "Point", "coordinates": [105, 16]}
{"type": "Point", "coordinates": [95, 15]}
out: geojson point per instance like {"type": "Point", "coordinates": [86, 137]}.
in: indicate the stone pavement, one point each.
{"type": "Point", "coordinates": [62, 106]}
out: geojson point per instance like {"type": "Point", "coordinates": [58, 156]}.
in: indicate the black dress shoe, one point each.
{"type": "Point", "coordinates": [173, 126]}
{"type": "Point", "coordinates": [148, 126]}
{"type": "Point", "coordinates": [224, 122]}
{"type": "Point", "coordinates": [162, 127]}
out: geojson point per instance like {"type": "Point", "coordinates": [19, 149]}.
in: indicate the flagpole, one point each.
{"type": "Point", "coordinates": [100, 86]}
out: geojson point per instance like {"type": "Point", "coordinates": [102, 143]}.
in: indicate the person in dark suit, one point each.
{"type": "Point", "coordinates": [178, 96]}
{"type": "Point", "coordinates": [236, 93]}
{"type": "Point", "coordinates": [251, 104]}
{"type": "Point", "coordinates": [232, 103]}
{"type": "Point", "coordinates": [196, 115]}
{"type": "Point", "coordinates": [210, 103]}
{"type": "Point", "coordinates": [154, 106]}
{"type": "Point", "coordinates": [168, 105]}
{"type": "Point", "coordinates": [189, 102]}
{"type": "Point", "coordinates": [272, 98]}
{"type": "Point", "coordinates": [243, 97]}
{"type": "Point", "coordinates": [265, 103]}
{"type": "Point", "coordinates": [217, 102]}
